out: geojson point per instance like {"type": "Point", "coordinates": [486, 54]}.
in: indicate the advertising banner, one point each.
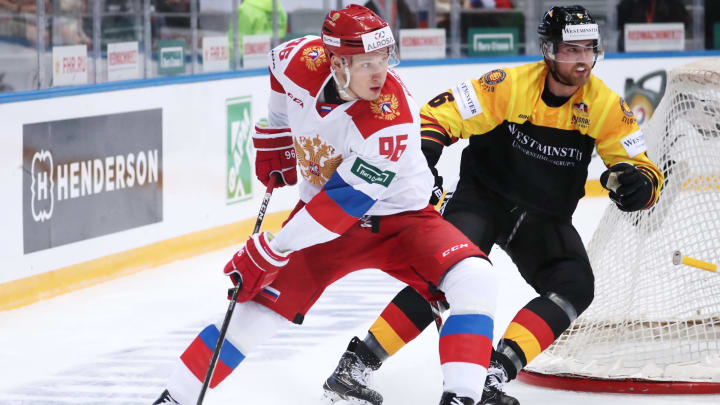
{"type": "Point", "coordinates": [69, 65]}
{"type": "Point", "coordinates": [492, 41]}
{"type": "Point", "coordinates": [123, 61]}
{"type": "Point", "coordinates": [255, 51]}
{"type": "Point", "coordinates": [422, 43]}
{"type": "Point", "coordinates": [216, 54]}
{"type": "Point", "coordinates": [240, 128]}
{"type": "Point", "coordinates": [91, 176]}
{"type": "Point", "coordinates": [171, 57]}
{"type": "Point", "coordinates": [654, 37]}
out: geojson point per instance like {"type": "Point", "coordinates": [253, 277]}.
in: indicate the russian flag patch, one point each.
{"type": "Point", "coordinates": [270, 293]}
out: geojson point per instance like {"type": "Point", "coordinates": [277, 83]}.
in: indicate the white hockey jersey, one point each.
{"type": "Point", "coordinates": [362, 158]}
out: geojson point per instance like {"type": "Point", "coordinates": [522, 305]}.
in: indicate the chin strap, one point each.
{"type": "Point", "coordinates": [342, 88]}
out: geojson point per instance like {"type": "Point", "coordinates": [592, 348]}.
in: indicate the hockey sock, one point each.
{"type": "Point", "coordinates": [197, 356]}
{"type": "Point", "coordinates": [532, 330]}
{"type": "Point", "coordinates": [466, 337]}
{"type": "Point", "coordinates": [401, 321]}
{"type": "Point", "coordinates": [465, 346]}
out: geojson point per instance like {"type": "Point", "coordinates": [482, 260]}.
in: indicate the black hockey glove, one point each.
{"type": "Point", "coordinates": [633, 189]}
{"type": "Point", "coordinates": [437, 190]}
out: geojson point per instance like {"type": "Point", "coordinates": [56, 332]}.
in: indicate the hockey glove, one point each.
{"type": "Point", "coordinates": [256, 265]}
{"type": "Point", "coordinates": [275, 154]}
{"type": "Point", "coordinates": [437, 190]}
{"type": "Point", "coordinates": [632, 191]}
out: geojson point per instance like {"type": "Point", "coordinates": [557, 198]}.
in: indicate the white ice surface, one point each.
{"type": "Point", "coordinates": [116, 343]}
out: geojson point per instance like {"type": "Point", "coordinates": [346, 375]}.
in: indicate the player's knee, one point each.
{"type": "Point", "coordinates": [471, 286]}
{"type": "Point", "coordinates": [251, 325]}
{"type": "Point", "coordinates": [576, 284]}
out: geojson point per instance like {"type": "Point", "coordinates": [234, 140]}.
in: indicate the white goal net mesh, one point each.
{"type": "Point", "coordinates": [651, 319]}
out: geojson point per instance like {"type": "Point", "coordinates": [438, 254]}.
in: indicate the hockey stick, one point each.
{"type": "Point", "coordinates": [233, 299]}
{"type": "Point", "coordinates": [437, 314]}
{"type": "Point", "coordinates": [679, 258]}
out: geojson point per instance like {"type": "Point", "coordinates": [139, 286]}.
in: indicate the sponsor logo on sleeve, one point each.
{"type": "Point", "coordinates": [466, 100]}
{"type": "Point", "coordinates": [634, 143]}
{"type": "Point", "coordinates": [371, 174]}
{"type": "Point", "coordinates": [580, 32]}
{"type": "Point", "coordinates": [377, 39]}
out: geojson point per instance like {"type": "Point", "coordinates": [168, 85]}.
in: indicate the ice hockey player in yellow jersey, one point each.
{"type": "Point", "coordinates": [532, 130]}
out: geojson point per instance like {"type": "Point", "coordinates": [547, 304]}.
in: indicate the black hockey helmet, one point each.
{"type": "Point", "coordinates": [568, 24]}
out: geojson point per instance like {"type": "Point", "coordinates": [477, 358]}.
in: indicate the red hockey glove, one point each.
{"type": "Point", "coordinates": [256, 265]}
{"type": "Point", "coordinates": [275, 154]}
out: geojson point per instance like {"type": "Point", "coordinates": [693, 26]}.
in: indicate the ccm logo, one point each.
{"type": "Point", "coordinates": [454, 249]}
{"type": "Point", "coordinates": [449, 251]}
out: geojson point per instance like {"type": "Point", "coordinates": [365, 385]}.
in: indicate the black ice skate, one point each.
{"type": "Point", "coordinates": [165, 398]}
{"type": "Point", "coordinates": [449, 398]}
{"type": "Point", "coordinates": [352, 376]}
{"type": "Point", "coordinates": [492, 392]}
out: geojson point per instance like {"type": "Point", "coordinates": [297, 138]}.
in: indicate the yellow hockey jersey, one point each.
{"type": "Point", "coordinates": [534, 155]}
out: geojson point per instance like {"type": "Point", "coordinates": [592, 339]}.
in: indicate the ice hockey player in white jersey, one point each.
{"type": "Point", "coordinates": [340, 112]}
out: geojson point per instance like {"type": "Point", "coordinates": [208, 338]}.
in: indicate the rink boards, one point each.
{"type": "Point", "coordinates": [103, 181]}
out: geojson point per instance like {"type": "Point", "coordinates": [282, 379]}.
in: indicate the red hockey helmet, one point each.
{"type": "Point", "coordinates": [354, 30]}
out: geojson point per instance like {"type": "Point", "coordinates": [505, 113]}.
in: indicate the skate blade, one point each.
{"type": "Point", "coordinates": [332, 398]}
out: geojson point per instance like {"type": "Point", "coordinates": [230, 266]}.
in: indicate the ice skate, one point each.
{"type": "Point", "coordinates": [351, 379]}
{"type": "Point", "coordinates": [493, 391]}
{"type": "Point", "coordinates": [449, 398]}
{"type": "Point", "coordinates": [165, 398]}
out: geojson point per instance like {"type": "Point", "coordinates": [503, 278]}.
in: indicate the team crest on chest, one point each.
{"type": "Point", "coordinates": [317, 160]}
{"type": "Point", "coordinates": [385, 107]}
{"type": "Point", "coordinates": [581, 115]}
{"type": "Point", "coordinates": [581, 108]}
{"type": "Point", "coordinates": [313, 57]}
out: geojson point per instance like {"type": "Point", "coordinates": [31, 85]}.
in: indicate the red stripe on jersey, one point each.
{"type": "Point", "coordinates": [433, 127]}
{"type": "Point", "coordinates": [465, 348]}
{"type": "Point", "coordinates": [400, 323]}
{"type": "Point", "coordinates": [390, 108]}
{"type": "Point", "coordinates": [537, 326]}
{"type": "Point", "coordinates": [430, 120]}
{"type": "Point", "coordinates": [309, 67]}
{"type": "Point", "coordinates": [268, 130]}
{"type": "Point", "coordinates": [429, 138]}
{"type": "Point", "coordinates": [275, 84]}
{"type": "Point", "coordinates": [268, 250]}
{"type": "Point", "coordinates": [329, 214]}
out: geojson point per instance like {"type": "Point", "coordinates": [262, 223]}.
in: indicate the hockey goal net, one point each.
{"type": "Point", "coordinates": [654, 327]}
